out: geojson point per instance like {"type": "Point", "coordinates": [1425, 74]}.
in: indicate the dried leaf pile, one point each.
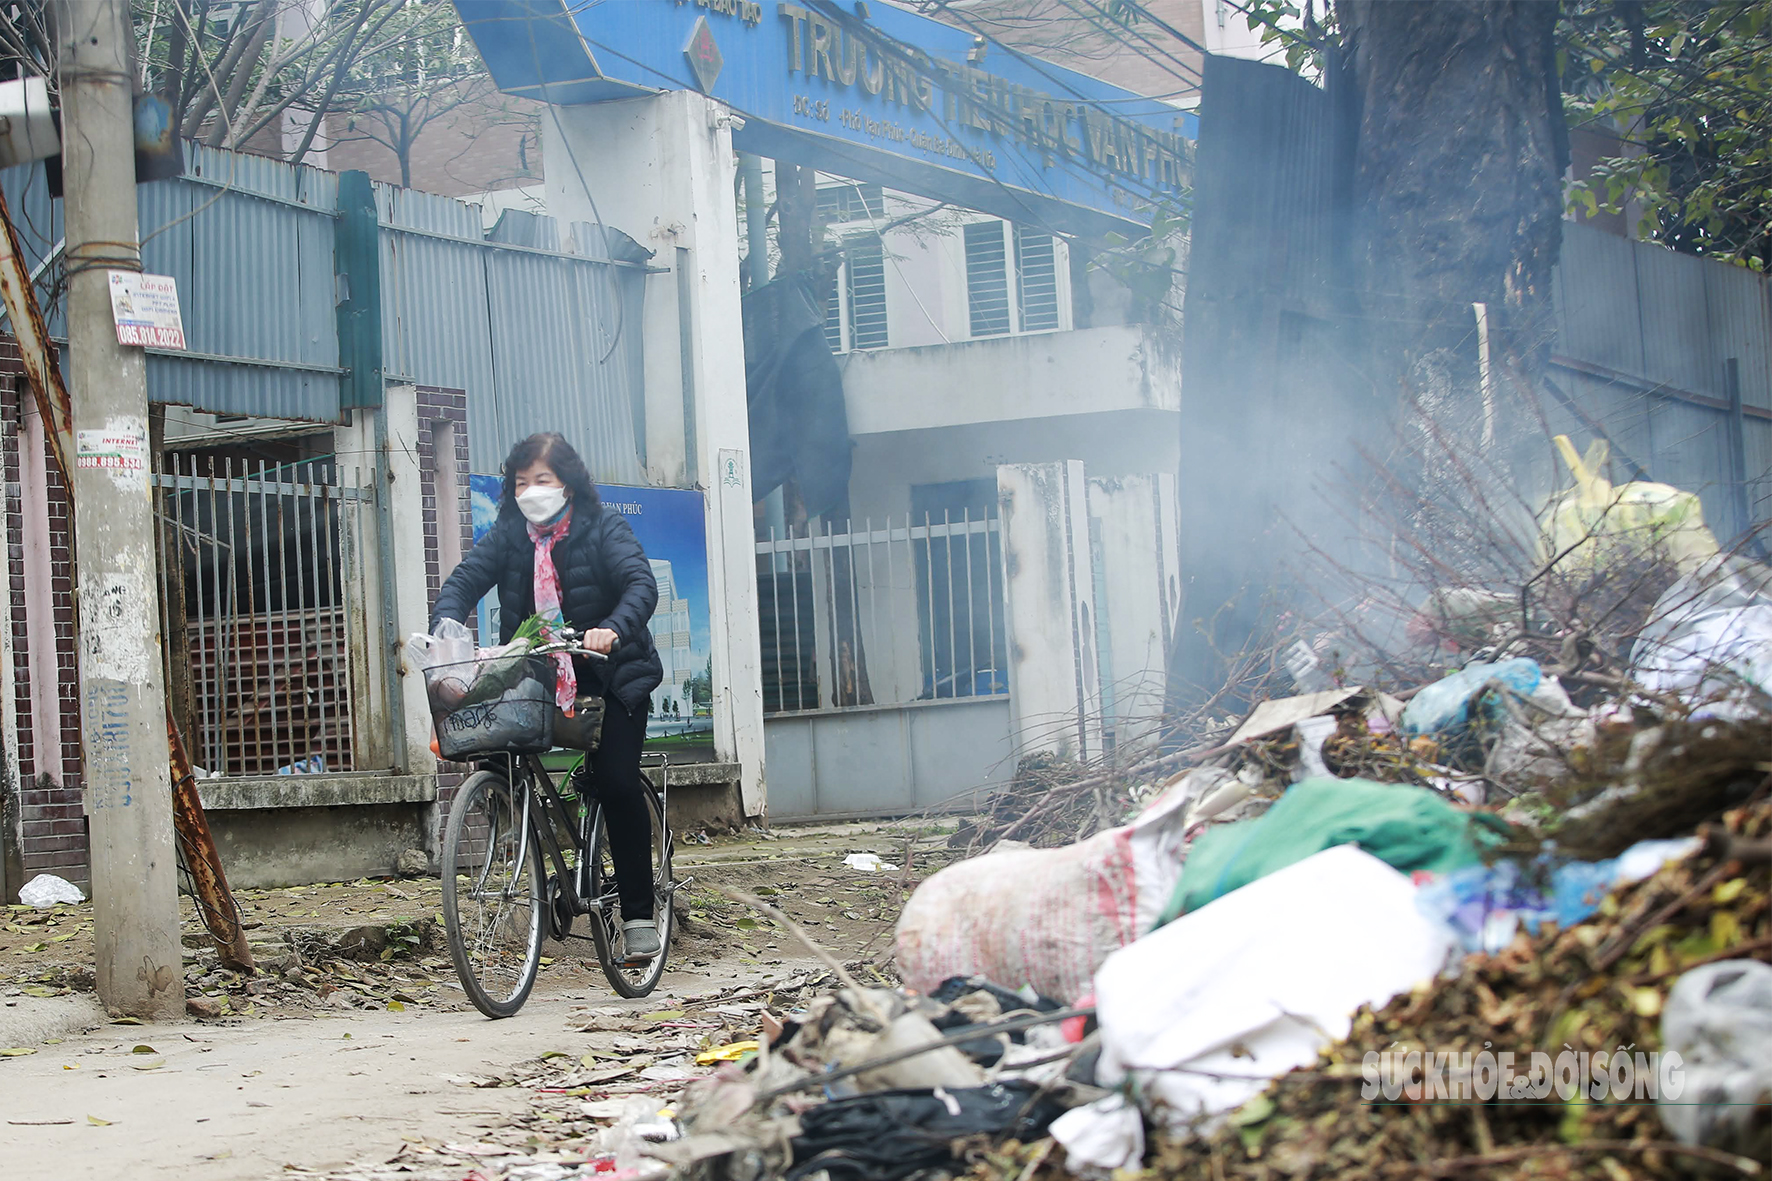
{"type": "Point", "coordinates": [1596, 986]}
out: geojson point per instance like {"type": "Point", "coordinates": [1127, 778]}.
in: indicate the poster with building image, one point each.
{"type": "Point", "coordinates": [671, 524]}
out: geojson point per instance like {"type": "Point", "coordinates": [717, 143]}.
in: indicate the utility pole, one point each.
{"type": "Point", "coordinates": [122, 698]}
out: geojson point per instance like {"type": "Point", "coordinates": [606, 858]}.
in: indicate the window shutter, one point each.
{"type": "Point", "coordinates": [833, 314]}
{"type": "Point", "coordinates": [1036, 273]}
{"type": "Point", "coordinates": [865, 275]}
{"type": "Point", "coordinates": [987, 281]}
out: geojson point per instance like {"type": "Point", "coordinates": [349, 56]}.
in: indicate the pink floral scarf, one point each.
{"type": "Point", "coordinates": [547, 604]}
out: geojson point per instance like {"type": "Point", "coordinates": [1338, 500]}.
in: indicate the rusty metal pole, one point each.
{"type": "Point", "coordinates": [209, 884]}
{"type": "Point", "coordinates": [35, 351]}
{"type": "Point", "coordinates": [122, 698]}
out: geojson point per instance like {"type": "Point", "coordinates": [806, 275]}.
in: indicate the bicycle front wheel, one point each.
{"type": "Point", "coordinates": [630, 979]}
{"type": "Point", "coordinates": [492, 894]}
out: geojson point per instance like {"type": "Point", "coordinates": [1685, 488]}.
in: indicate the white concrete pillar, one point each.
{"type": "Point", "coordinates": [379, 652]}
{"type": "Point", "coordinates": [1134, 519]}
{"type": "Point", "coordinates": [661, 170]}
{"type": "Point", "coordinates": [406, 503]}
{"type": "Point", "coordinates": [1054, 677]}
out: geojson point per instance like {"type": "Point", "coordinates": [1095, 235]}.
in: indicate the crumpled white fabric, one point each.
{"type": "Point", "coordinates": [1204, 1012]}
{"type": "Point", "coordinates": [1710, 632]}
{"type": "Point", "coordinates": [46, 890]}
{"type": "Point", "coordinates": [1105, 1135]}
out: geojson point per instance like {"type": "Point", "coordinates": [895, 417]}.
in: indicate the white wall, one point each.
{"type": "Point", "coordinates": [1087, 371]}
{"type": "Point", "coordinates": [1134, 525]}
{"type": "Point", "coordinates": [661, 169]}
{"type": "Point", "coordinates": [1054, 686]}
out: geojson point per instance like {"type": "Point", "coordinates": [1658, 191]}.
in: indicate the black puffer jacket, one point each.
{"type": "Point", "coordinates": [605, 581]}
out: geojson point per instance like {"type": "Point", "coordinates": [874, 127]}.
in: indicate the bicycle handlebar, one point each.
{"type": "Point", "coordinates": [567, 645]}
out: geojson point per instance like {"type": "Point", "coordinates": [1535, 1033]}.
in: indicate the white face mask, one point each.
{"type": "Point", "coordinates": [542, 503]}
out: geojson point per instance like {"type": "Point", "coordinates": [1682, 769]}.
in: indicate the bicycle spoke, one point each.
{"type": "Point", "coordinates": [492, 897]}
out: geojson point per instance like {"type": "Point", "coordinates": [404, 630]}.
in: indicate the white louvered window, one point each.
{"type": "Point", "coordinates": [987, 278]}
{"type": "Point", "coordinates": [855, 309]}
{"type": "Point", "coordinates": [839, 204]}
{"type": "Point", "coordinates": [864, 281]}
{"type": "Point", "coordinates": [833, 315]}
{"type": "Point", "coordinates": [1014, 279]}
{"type": "Point", "coordinates": [1036, 277]}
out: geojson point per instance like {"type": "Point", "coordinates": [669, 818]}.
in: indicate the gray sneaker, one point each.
{"type": "Point", "coordinates": [640, 939]}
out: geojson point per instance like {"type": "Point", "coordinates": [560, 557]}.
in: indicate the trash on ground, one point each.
{"type": "Point", "coordinates": [868, 863]}
{"type": "Point", "coordinates": [1200, 1014]}
{"type": "Point", "coordinates": [1718, 1019]}
{"type": "Point", "coordinates": [1409, 828]}
{"type": "Point", "coordinates": [1045, 918]}
{"type": "Point", "coordinates": [46, 890]}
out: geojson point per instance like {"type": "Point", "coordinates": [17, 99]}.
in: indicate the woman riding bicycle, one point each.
{"type": "Point", "coordinates": [555, 552]}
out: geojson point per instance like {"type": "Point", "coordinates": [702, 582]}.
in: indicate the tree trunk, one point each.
{"type": "Point", "coordinates": [1458, 176]}
{"type": "Point", "coordinates": [796, 196]}
{"type": "Point", "coordinates": [1457, 193]}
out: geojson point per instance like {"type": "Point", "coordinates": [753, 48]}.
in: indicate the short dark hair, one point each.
{"type": "Point", "coordinates": [553, 450]}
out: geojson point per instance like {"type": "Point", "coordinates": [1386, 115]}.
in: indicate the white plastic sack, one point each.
{"type": "Point", "coordinates": [1107, 1135]}
{"type": "Point", "coordinates": [453, 643]}
{"type": "Point", "coordinates": [1709, 637]}
{"type": "Point", "coordinates": [46, 890]}
{"type": "Point", "coordinates": [1718, 1018]}
{"type": "Point", "coordinates": [1045, 918]}
{"type": "Point", "coordinates": [1204, 1012]}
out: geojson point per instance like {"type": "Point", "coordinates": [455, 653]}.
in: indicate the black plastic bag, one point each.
{"type": "Point", "coordinates": [889, 1135]}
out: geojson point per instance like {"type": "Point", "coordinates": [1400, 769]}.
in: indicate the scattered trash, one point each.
{"type": "Point", "coordinates": [1596, 524]}
{"type": "Point", "coordinates": [1409, 828]}
{"type": "Point", "coordinates": [727, 1053]}
{"type": "Point", "coordinates": [894, 1134]}
{"type": "Point", "coordinates": [1488, 905]}
{"type": "Point", "coordinates": [1718, 1019]}
{"type": "Point", "coordinates": [46, 890]}
{"type": "Point", "coordinates": [1448, 710]}
{"type": "Point", "coordinates": [1709, 640]}
{"type": "Point", "coordinates": [1107, 1135]}
{"type": "Point", "coordinates": [1045, 918]}
{"type": "Point", "coordinates": [868, 863]}
{"type": "Point", "coordinates": [1201, 1013]}
{"type": "Point", "coordinates": [313, 765]}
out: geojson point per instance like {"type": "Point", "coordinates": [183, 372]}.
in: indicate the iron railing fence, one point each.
{"type": "Point", "coordinates": [886, 615]}
{"type": "Point", "coordinates": [258, 566]}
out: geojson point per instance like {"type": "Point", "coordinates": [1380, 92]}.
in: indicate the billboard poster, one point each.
{"type": "Point", "coordinates": [671, 524]}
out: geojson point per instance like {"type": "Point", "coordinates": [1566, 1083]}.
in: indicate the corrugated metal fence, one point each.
{"type": "Point", "coordinates": [1649, 342]}
{"type": "Point", "coordinates": [542, 334]}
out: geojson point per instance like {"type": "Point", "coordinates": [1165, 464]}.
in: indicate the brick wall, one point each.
{"type": "Point", "coordinates": [491, 143]}
{"type": "Point", "coordinates": [53, 825]}
{"type": "Point", "coordinates": [434, 406]}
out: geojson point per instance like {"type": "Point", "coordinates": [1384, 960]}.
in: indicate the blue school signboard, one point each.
{"type": "Point", "coordinates": [864, 90]}
{"type": "Point", "coordinates": [672, 528]}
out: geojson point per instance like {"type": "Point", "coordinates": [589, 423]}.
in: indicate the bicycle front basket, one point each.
{"type": "Point", "coordinates": [500, 706]}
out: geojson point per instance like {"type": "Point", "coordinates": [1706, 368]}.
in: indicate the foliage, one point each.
{"type": "Point", "coordinates": [1687, 87]}
{"type": "Point", "coordinates": [231, 71]}
{"type": "Point", "coordinates": [425, 70]}
{"type": "Point", "coordinates": [701, 685]}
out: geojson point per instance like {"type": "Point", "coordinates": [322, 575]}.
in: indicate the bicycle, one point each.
{"type": "Point", "coordinates": [500, 899]}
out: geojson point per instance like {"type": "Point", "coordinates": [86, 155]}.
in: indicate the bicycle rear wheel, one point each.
{"type": "Point", "coordinates": [492, 895]}
{"type": "Point", "coordinates": [630, 980]}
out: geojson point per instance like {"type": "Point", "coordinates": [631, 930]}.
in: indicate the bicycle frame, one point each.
{"type": "Point", "coordinates": [574, 882]}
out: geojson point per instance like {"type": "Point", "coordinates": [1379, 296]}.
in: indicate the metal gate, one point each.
{"type": "Point", "coordinates": [260, 564]}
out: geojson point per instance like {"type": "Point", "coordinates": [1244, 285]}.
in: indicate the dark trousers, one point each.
{"type": "Point", "coordinates": [615, 770]}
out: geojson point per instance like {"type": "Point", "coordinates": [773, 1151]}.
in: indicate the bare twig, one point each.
{"type": "Point", "coordinates": [774, 915]}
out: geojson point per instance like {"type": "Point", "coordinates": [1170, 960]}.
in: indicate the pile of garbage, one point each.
{"type": "Point", "coordinates": [1512, 920]}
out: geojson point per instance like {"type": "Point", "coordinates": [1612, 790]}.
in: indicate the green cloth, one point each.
{"type": "Point", "coordinates": [1408, 828]}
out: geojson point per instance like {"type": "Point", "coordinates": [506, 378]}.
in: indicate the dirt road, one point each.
{"type": "Point", "coordinates": [330, 1090]}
